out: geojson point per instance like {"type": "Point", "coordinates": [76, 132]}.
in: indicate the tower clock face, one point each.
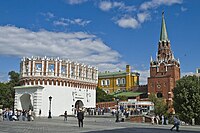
{"type": "Point", "coordinates": [158, 86]}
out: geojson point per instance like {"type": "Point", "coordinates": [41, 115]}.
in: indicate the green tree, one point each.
{"type": "Point", "coordinates": [102, 96]}
{"type": "Point", "coordinates": [7, 93]}
{"type": "Point", "coordinates": [14, 78]}
{"type": "Point", "coordinates": [160, 106]}
{"type": "Point", "coordinates": [186, 99]}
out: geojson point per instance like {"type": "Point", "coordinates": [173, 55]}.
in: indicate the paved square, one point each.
{"type": "Point", "coordinates": [91, 125]}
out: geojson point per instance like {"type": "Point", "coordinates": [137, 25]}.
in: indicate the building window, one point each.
{"type": "Point", "coordinates": [102, 82]}
{"type": "Point", "coordinates": [63, 70]}
{"type": "Point", "coordinates": [92, 75]}
{"type": "Point", "coordinates": [118, 81]}
{"type": "Point", "coordinates": [86, 74]}
{"type": "Point", "coordinates": [72, 72]}
{"type": "Point", "coordinates": [123, 81]}
{"type": "Point", "coordinates": [51, 69]}
{"type": "Point", "coordinates": [38, 67]}
{"type": "Point", "coordinates": [108, 82]}
{"type": "Point", "coordinates": [80, 73]}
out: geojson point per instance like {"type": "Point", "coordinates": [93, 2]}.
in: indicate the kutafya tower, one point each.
{"type": "Point", "coordinates": [164, 70]}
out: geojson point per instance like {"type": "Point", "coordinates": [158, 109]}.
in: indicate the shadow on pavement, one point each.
{"type": "Point", "coordinates": [141, 130]}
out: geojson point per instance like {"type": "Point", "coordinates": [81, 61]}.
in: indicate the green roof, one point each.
{"type": "Point", "coordinates": [128, 94]}
{"type": "Point", "coordinates": [111, 73]}
{"type": "Point", "coordinates": [163, 33]}
{"type": "Point", "coordinates": [121, 73]}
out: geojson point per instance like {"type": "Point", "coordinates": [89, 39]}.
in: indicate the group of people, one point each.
{"type": "Point", "coordinates": [96, 111]}
{"type": "Point", "coordinates": [164, 120]}
{"type": "Point", "coordinates": [157, 118]}
{"type": "Point", "coordinates": [17, 115]}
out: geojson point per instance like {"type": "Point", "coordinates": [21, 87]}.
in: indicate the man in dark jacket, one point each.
{"type": "Point", "coordinates": [80, 116]}
{"type": "Point", "coordinates": [176, 124]}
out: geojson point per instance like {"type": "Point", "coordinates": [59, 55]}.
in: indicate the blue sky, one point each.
{"type": "Point", "coordinates": [105, 33]}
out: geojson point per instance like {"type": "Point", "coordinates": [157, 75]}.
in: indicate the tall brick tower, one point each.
{"type": "Point", "coordinates": [165, 69]}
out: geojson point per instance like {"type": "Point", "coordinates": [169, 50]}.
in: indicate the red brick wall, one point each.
{"type": "Point", "coordinates": [106, 104]}
{"type": "Point", "coordinates": [138, 119]}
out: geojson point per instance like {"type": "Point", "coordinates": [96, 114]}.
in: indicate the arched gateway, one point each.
{"type": "Point", "coordinates": [25, 101]}
{"type": "Point", "coordinates": [79, 104]}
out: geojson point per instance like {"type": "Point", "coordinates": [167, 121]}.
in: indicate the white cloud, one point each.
{"type": "Point", "coordinates": [156, 3]}
{"type": "Point", "coordinates": [48, 15]}
{"type": "Point", "coordinates": [107, 5]}
{"type": "Point", "coordinates": [77, 46]}
{"type": "Point", "coordinates": [128, 22]}
{"type": "Point", "coordinates": [73, 2]}
{"type": "Point", "coordinates": [66, 22]}
{"type": "Point", "coordinates": [187, 73]}
{"type": "Point", "coordinates": [183, 9]}
{"type": "Point", "coordinates": [61, 23]}
{"type": "Point", "coordinates": [142, 17]}
{"type": "Point", "coordinates": [81, 22]}
{"type": "Point", "coordinates": [144, 74]}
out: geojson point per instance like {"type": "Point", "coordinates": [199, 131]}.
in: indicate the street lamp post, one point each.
{"type": "Point", "coordinates": [50, 98]}
{"type": "Point", "coordinates": [117, 114]}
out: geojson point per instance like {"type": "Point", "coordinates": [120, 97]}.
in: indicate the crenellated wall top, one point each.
{"type": "Point", "coordinates": [57, 67]}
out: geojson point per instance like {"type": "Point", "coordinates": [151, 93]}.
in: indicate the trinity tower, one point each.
{"type": "Point", "coordinates": [164, 70]}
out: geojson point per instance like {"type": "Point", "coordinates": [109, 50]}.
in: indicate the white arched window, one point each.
{"type": "Point", "coordinates": [107, 82]}
{"type": "Point", "coordinates": [123, 81]}
{"type": "Point", "coordinates": [103, 82]}
{"type": "Point", "coordinates": [118, 81]}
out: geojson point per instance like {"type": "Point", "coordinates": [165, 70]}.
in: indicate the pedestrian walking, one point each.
{"type": "Point", "coordinates": [40, 111]}
{"type": "Point", "coordinates": [1, 115]}
{"type": "Point", "coordinates": [23, 115]}
{"type": "Point", "coordinates": [157, 119]}
{"type": "Point", "coordinates": [29, 115]}
{"type": "Point", "coordinates": [176, 124]}
{"type": "Point", "coordinates": [152, 119]}
{"type": "Point", "coordinates": [65, 116]}
{"type": "Point", "coordinates": [162, 119]}
{"type": "Point", "coordinates": [80, 116]}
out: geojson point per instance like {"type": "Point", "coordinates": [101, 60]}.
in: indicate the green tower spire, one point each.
{"type": "Point", "coordinates": [163, 33]}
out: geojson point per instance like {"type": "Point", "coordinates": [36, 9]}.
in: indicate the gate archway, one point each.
{"type": "Point", "coordinates": [79, 104]}
{"type": "Point", "coordinates": [25, 100]}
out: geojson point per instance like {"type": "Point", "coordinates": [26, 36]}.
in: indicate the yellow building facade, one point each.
{"type": "Point", "coordinates": [118, 81]}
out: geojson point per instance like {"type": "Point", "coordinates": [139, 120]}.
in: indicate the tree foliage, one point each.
{"type": "Point", "coordinates": [102, 96]}
{"type": "Point", "coordinates": [186, 99]}
{"type": "Point", "coordinates": [160, 106]}
{"type": "Point", "coordinates": [14, 78]}
{"type": "Point", "coordinates": [7, 93]}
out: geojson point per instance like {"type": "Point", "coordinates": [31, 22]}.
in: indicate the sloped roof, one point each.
{"type": "Point", "coordinates": [128, 94]}
{"type": "Point", "coordinates": [120, 73]}
{"type": "Point", "coordinates": [163, 33]}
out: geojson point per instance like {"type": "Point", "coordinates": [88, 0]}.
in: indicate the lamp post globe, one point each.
{"type": "Point", "coordinates": [50, 98]}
